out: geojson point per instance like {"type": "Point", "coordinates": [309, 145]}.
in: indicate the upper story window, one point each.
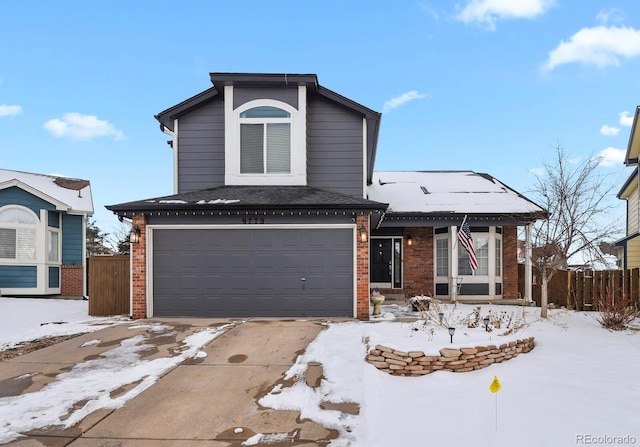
{"type": "Point", "coordinates": [18, 233]}
{"type": "Point", "coordinates": [265, 141]}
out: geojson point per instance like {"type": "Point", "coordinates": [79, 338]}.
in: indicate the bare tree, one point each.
{"type": "Point", "coordinates": [576, 195]}
{"type": "Point", "coordinates": [119, 240]}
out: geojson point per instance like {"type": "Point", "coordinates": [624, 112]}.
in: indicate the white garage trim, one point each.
{"type": "Point", "coordinates": [249, 227]}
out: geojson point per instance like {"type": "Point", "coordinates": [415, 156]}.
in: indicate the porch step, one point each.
{"type": "Point", "coordinates": [393, 297]}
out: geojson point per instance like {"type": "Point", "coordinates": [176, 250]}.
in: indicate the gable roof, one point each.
{"type": "Point", "coordinates": [250, 198]}
{"type": "Point", "coordinates": [633, 147]}
{"type": "Point", "coordinates": [67, 194]}
{"type": "Point", "coordinates": [219, 80]}
{"type": "Point", "coordinates": [447, 196]}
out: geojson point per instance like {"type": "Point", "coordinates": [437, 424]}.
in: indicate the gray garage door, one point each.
{"type": "Point", "coordinates": [253, 272]}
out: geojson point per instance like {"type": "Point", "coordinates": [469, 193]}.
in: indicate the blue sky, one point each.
{"type": "Point", "coordinates": [487, 85]}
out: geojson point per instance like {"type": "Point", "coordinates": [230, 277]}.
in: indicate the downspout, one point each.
{"type": "Point", "coordinates": [84, 255]}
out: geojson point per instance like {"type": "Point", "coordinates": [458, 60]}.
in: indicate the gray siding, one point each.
{"type": "Point", "coordinates": [334, 148]}
{"type": "Point", "coordinates": [334, 143]}
{"type": "Point", "coordinates": [288, 95]}
{"type": "Point", "coordinates": [201, 148]}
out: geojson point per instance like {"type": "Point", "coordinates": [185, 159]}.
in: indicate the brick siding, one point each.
{"type": "Point", "coordinates": [509, 263]}
{"type": "Point", "coordinates": [139, 270]}
{"type": "Point", "coordinates": [71, 280]}
{"type": "Point", "coordinates": [362, 269]}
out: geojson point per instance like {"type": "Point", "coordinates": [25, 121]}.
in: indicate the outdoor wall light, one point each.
{"type": "Point", "coordinates": [134, 236]}
{"type": "Point", "coordinates": [452, 331]}
{"type": "Point", "coordinates": [363, 234]}
{"type": "Point", "coordinates": [485, 320]}
{"type": "Point", "coordinates": [409, 240]}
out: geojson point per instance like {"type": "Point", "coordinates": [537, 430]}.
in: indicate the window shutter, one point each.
{"type": "Point", "coordinates": [251, 148]}
{"type": "Point", "coordinates": [278, 148]}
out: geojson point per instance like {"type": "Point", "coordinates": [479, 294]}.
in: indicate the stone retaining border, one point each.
{"type": "Point", "coordinates": [416, 363]}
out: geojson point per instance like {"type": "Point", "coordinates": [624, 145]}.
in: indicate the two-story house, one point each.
{"type": "Point", "coordinates": [629, 246]}
{"type": "Point", "coordinates": [277, 211]}
{"type": "Point", "coordinates": [43, 221]}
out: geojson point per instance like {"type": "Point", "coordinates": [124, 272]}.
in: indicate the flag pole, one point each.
{"type": "Point", "coordinates": [455, 240]}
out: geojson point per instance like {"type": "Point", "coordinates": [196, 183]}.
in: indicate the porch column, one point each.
{"type": "Point", "coordinates": [453, 293]}
{"type": "Point", "coordinates": [528, 277]}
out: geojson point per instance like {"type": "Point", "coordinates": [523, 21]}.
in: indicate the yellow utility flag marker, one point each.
{"type": "Point", "coordinates": [494, 388]}
{"type": "Point", "coordinates": [495, 385]}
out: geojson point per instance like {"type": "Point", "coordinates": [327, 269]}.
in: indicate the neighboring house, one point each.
{"type": "Point", "coordinates": [43, 222]}
{"type": "Point", "coordinates": [276, 208]}
{"type": "Point", "coordinates": [629, 246]}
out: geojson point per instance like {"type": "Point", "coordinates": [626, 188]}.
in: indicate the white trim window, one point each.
{"type": "Point", "coordinates": [18, 233]}
{"type": "Point", "coordinates": [265, 141]}
{"type": "Point", "coordinates": [53, 245]}
{"type": "Point", "coordinates": [484, 242]}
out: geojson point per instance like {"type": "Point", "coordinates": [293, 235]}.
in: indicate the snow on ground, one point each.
{"type": "Point", "coordinates": [26, 319]}
{"type": "Point", "coordinates": [578, 385]}
{"type": "Point", "coordinates": [89, 385]}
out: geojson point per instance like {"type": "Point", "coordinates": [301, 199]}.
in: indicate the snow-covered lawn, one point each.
{"type": "Point", "coordinates": [26, 319]}
{"type": "Point", "coordinates": [579, 385]}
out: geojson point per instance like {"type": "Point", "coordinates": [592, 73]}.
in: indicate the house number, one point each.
{"type": "Point", "coordinates": [253, 220]}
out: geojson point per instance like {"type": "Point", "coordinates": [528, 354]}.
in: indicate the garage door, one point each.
{"type": "Point", "coordinates": [253, 272]}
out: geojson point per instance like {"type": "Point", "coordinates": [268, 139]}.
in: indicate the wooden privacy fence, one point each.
{"type": "Point", "coordinates": [108, 285]}
{"type": "Point", "coordinates": [581, 290]}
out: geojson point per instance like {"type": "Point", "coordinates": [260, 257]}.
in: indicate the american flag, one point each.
{"type": "Point", "coordinates": [464, 236]}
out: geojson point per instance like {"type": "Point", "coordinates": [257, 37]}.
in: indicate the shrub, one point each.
{"type": "Point", "coordinates": [616, 313]}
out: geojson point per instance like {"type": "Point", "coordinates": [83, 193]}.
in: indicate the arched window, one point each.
{"type": "Point", "coordinates": [265, 141]}
{"type": "Point", "coordinates": [17, 233]}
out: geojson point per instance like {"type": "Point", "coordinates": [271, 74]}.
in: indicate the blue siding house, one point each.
{"type": "Point", "coordinates": [43, 222]}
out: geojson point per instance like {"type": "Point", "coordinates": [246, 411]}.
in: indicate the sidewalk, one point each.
{"type": "Point", "coordinates": [204, 401]}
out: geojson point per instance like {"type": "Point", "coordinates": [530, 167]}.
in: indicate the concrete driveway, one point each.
{"type": "Point", "coordinates": [204, 401]}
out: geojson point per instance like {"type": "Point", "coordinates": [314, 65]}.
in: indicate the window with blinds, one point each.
{"type": "Point", "coordinates": [265, 141]}
{"type": "Point", "coordinates": [17, 234]}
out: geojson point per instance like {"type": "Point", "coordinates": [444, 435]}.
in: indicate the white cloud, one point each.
{"type": "Point", "coordinates": [82, 127]}
{"type": "Point", "coordinates": [612, 15]}
{"type": "Point", "coordinates": [600, 46]}
{"type": "Point", "coordinates": [488, 12]}
{"type": "Point", "coordinates": [611, 156]}
{"type": "Point", "coordinates": [626, 119]}
{"type": "Point", "coordinates": [402, 99]}
{"type": "Point", "coordinates": [609, 131]}
{"type": "Point", "coordinates": [538, 172]}
{"type": "Point", "coordinates": [6, 110]}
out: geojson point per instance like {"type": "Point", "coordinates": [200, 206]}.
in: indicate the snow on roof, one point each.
{"type": "Point", "coordinates": [446, 192]}
{"type": "Point", "coordinates": [67, 194]}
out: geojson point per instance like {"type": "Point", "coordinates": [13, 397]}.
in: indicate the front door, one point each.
{"type": "Point", "coordinates": [381, 267]}
{"type": "Point", "coordinates": [386, 262]}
